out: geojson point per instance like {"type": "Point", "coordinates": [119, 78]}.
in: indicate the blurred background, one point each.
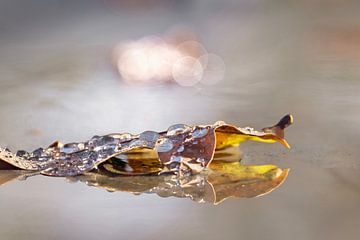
{"type": "Point", "coordinates": [73, 69]}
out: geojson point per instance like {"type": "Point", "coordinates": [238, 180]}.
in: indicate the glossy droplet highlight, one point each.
{"type": "Point", "coordinates": [164, 145]}
{"type": "Point", "coordinates": [177, 129]}
{"type": "Point", "coordinates": [149, 136]}
{"type": "Point", "coordinates": [200, 132]}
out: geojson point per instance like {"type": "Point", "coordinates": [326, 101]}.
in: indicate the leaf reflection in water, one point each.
{"type": "Point", "coordinates": [212, 186]}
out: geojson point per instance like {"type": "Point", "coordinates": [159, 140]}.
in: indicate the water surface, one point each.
{"type": "Point", "coordinates": [302, 58]}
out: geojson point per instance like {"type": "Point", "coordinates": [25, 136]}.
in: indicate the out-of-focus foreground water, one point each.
{"type": "Point", "coordinates": [301, 57]}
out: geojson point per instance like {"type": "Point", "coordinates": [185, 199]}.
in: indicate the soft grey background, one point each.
{"type": "Point", "coordinates": [302, 57]}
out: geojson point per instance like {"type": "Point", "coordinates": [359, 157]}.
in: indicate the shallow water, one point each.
{"type": "Point", "coordinates": [302, 58]}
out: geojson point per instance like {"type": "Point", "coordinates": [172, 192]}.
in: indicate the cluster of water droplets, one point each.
{"type": "Point", "coordinates": [181, 137]}
{"type": "Point", "coordinates": [75, 158]}
{"type": "Point", "coordinates": [193, 187]}
{"type": "Point", "coordinates": [72, 158]}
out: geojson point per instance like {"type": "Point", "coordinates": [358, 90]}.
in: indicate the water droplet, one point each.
{"type": "Point", "coordinates": [181, 148]}
{"type": "Point", "coordinates": [81, 146]}
{"type": "Point", "coordinates": [93, 156]}
{"type": "Point", "coordinates": [164, 145]}
{"type": "Point", "coordinates": [105, 140]}
{"type": "Point", "coordinates": [176, 159]}
{"type": "Point", "coordinates": [101, 141]}
{"type": "Point", "coordinates": [177, 129]}
{"type": "Point", "coordinates": [70, 148]}
{"type": "Point", "coordinates": [38, 152]}
{"type": "Point", "coordinates": [21, 153]}
{"type": "Point", "coordinates": [184, 171]}
{"type": "Point", "coordinates": [63, 156]}
{"type": "Point", "coordinates": [149, 136]}
{"type": "Point", "coordinates": [123, 137]}
{"type": "Point", "coordinates": [174, 166]}
{"type": "Point", "coordinates": [201, 161]}
{"type": "Point", "coordinates": [140, 143]}
{"type": "Point", "coordinates": [106, 151]}
{"type": "Point", "coordinates": [200, 132]}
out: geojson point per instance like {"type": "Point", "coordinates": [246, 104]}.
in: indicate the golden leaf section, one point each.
{"type": "Point", "coordinates": [135, 162]}
{"type": "Point", "coordinates": [242, 181]}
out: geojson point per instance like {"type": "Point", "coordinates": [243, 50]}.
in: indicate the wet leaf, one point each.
{"type": "Point", "coordinates": [182, 150]}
